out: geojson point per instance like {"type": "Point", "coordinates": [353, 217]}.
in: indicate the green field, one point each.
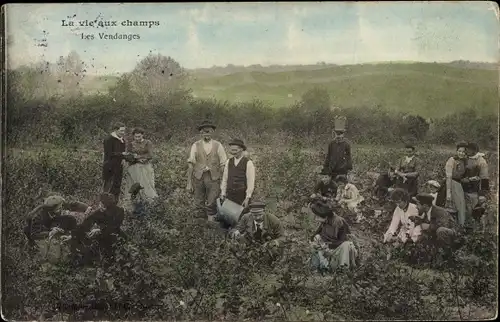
{"type": "Point", "coordinates": [428, 89]}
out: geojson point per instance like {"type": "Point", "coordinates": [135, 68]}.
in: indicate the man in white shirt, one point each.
{"type": "Point", "coordinates": [238, 179]}
{"type": "Point", "coordinates": [403, 219]}
{"type": "Point", "coordinates": [205, 166]}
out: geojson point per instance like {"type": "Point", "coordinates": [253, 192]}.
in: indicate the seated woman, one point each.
{"type": "Point", "coordinates": [348, 195]}
{"type": "Point", "coordinates": [332, 247]}
{"type": "Point", "coordinates": [402, 219]}
{"type": "Point", "coordinates": [407, 171]}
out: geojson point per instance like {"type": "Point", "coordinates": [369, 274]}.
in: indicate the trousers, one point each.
{"type": "Point", "coordinates": [113, 181]}
{"type": "Point", "coordinates": [206, 191]}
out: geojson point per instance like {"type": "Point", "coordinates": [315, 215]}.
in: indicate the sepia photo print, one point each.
{"type": "Point", "coordinates": [277, 161]}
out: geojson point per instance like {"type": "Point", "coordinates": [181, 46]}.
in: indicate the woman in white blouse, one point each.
{"type": "Point", "coordinates": [402, 219]}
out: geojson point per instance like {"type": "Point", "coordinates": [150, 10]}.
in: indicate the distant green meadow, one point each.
{"type": "Point", "coordinates": [427, 89]}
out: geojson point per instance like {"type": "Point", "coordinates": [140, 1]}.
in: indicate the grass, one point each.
{"type": "Point", "coordinates": [428, 89]}
{"type": "Point", "coordinates": [284, 177]}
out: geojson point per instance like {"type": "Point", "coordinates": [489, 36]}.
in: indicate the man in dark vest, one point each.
{"type": "Point", "coordinates": [238, 180]}
{"type": "Point", "coordinates": [338, 159]}
{"type": "Point", "coordinates": [205, 167]}
{"type": "Point", "coordinates": [114, 152]}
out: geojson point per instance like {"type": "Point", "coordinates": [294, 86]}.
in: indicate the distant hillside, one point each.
{"type": "Point", "coordinates": [473, 65]}
{"type": "Point", "coordinates": [232, 69]}
{"type": "Point", "coordinates": [428, 89]}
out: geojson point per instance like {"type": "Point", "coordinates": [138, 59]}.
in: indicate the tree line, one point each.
{"type": "Point", "coordinates": [45, 103]}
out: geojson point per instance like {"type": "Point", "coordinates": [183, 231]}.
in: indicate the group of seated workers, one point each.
{"type": "Point", "coordinates": [97, 235]}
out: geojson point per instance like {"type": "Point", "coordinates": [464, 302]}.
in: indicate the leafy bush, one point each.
{"type": "Point", "coordinates": [83, 118]}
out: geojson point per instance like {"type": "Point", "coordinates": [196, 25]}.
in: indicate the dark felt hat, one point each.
{"type": "Point", "coordinates": [205, 124]}
{"type": "Point", "coordinates": [424, 198]}
{"type": "Point", "coordinates": [322, 209]}
{"type": "Point", "coordinates": [239, 143]}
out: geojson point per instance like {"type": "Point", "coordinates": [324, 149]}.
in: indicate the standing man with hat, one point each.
{"type": "Point", "coordinates": [338, 159]}
{"type": "Point", "coordinates": [238, 179]}
{"type": "Point", "coordinates": [114, 152]}
{"type": "Point", "coordinates": [205, 167]}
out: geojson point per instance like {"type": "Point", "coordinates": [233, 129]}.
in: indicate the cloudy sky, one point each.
{"type": "Point", "coordinates": [207, 34]}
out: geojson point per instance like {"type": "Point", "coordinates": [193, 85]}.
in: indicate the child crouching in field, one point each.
{"type": "Point", "coordinates": [348, 196]}
{"type": "Point", "coordinates": [325, 189]}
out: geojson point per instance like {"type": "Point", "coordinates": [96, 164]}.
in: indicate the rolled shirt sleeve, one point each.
{"type": "Point", "coordinates": [223, 183]}
{"type": "Point", "coordinates": [222, 155]}
{"type": "Point", "coordinates": [448, 168]}
{"type": "Point", "coordinates": [396, 220]}
{"type": "Point", "coordinates": [250, 179]}
{"type": "Point", "coordinates": [483, 169]}
{"type": "Point", "coordinates": [192, 154]}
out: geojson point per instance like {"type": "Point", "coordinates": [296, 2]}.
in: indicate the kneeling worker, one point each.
{"type": "Point", "coordinates": [258, 225]}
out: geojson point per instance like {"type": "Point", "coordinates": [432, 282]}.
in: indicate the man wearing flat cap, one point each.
{"type": "Point", "coordinates": [332, 238]}
{"type": "Point", "coordinates": [48, 218]}
{"type": "Point", "coordinates": [258, 225]}
{"type": "Point", "coordinates": [441, 225]}
{"type": "Point", "coordinates": [205, 166]}
{"type": "Point", "coordinates": [238, 179]}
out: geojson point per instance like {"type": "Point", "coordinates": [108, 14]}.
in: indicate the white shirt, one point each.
{"type": "Point", "coordinates": [250, 177]}
{"type": "Point", "coordinates": [434, 195]}
{"type": "Point", "coordinates": [408, 159]}
{"type": "Point", "coordinates": [258, 225]}
{"type": "Point", "coordinates": [207, 146]}
{"type": "Point", "coordinates": [429, 214]}
{"type": "Point", "coordinates": [402, 218]}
